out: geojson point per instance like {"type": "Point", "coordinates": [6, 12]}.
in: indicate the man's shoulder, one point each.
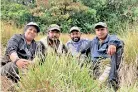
{"type": "Point", "coordinates": [116, 39]}
{"type": "Point", "coordinates": [112, 35]}
{"type": "Point", "coordinates": [94, 39]}
{"type": "Point", "coordinates": [85, 39]}
{"type": "Point", "coordinates": [16, 37]}
{"type": "Point", "coordinates": [68, 43]}
{"type": "Point", "coordinates": [43, 40]}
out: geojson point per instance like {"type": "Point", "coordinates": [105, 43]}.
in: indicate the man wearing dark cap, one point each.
{"type": "Point", "coordinates": [76, 43]}
{"type": "Point", "coordinates": [104, 48]}
{"type": "Point", "coordinates": [20, 52]}
{"type": "Point", "coordinates": [51, 42]}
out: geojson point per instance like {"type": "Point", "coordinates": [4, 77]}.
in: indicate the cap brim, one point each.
{"type": "Point", "coordinates": [100, 26]}
{"type": "Point", "coordinates": [54, 29]}
{"type": "Point", "coordinates": [74, 30]}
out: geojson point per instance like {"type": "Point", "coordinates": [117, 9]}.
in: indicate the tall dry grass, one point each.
{"type": "Point", "coordinates": [129, 66]}
{"type": "Point", "coordinates": [7, 30]}
{"type": "Point", "coordinates": [60, 74]}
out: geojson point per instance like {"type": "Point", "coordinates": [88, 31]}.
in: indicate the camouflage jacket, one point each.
{"type": "Point", "coordinates": [45, 46]}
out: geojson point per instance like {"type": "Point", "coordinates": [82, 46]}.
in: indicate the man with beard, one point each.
{"type": "Point", "coordinates": [77, 43]}
{"type": "Point", "coordinates": [20, 52]}
{"type": "Point", "coordinates": [51, 43]}
{"type": "Point", "coordinates": [106, 50]}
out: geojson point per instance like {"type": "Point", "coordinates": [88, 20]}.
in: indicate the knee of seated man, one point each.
{"type": "Point", "coordinates": [9, 67]}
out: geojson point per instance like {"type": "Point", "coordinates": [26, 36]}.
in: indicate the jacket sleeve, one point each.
{"type": "Point", "coordinates": [86, 47]}
{"type": "Point", "coordinates": [113, 40]}
{"type": "Point", "coordinates": [13, 44]}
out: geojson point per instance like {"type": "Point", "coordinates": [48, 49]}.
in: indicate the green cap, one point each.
{"type": "Point", "coordinates": [53, 27]}
{"type": "Point", "coordinates": [100, 24]}
{"type": "Point", "coordinates": [74, 28]}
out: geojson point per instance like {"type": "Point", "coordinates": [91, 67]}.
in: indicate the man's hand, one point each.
{"type": "Point", "coordinates": [22, 63]}
{"type": "Point", "coordinates": [111, 50]}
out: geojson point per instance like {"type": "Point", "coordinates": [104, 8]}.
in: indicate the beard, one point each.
{"type": "Point", "coordinates": [54, 38]}
{"type": "Point", "coordinates": [76, 39]}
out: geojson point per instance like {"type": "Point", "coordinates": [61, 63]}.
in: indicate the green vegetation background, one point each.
{"type": "Point", "coordinates": [67, 13]}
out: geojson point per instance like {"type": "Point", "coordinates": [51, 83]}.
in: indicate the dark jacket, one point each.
{"type": "Point", "coordinates": [98, 50]}
{"type": "Point", "coordinates": [17, 43]}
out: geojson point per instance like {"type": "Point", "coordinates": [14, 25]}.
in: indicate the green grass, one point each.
{"type": "Point", "coordinates": [59, 74]}
{"type": "Point", "coordinates": [63, 74]}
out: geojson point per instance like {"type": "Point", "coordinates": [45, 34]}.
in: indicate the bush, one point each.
{"type": "Point", "coordinates": [67, 13]}
{"type": "Point", "coordinates": [17, 13]}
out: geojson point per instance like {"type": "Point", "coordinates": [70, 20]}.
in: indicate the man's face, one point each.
{"type": "Point", "coordinates": [54, 34]}
{"type": "Point", "coordinates": [75, 35]}
{"type": "Point", "coordinates": [30, 33]}
{"type": "Point", "coordinates": [101, 32]}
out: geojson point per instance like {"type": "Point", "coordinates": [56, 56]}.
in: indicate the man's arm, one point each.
{"type": "Point", "coordinates": [11, 50]}
{"type": "Point", "coordinates": [114, 43]}
{"type": "Point", "coordinates": [12, 47]}
{"type": "Point", "coordinates": [113, 40]}
{"type": "Point", "coordinates": [13, 56]}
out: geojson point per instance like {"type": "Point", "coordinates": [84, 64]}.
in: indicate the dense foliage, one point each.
{"type": "Point", "coordinates": [67, 13]}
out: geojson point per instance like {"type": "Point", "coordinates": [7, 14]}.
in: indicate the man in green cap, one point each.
{"type": "Point", "coordinates": [51, 42]}
{"type": "Point", "coordinates": [76, 44]}
{"type": "Point", "coordinates": [106, 50]}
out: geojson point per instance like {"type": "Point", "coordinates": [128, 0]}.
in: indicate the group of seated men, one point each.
{"type": "Point", "coordinates": [22, 48]}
